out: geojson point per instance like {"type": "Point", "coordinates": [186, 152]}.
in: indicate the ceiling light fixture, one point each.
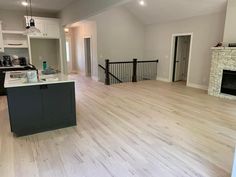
{"type": "Point", "coordinates": [30, 25]}
{"type": "Point", "coordinates": [66, 30]}
{"type": "Point", "coordinates": [142, 3]}
{"type": "Point", "coordinates": [24, 3]}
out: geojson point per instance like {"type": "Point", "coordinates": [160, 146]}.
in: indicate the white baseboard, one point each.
{"type": "Point", "coordinates": [163, 79]}
{"type": "Point", "coordinates": [198, 86]}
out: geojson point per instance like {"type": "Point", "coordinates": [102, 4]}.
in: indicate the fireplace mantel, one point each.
{"type": "Point", "coordinates": [223, 58]}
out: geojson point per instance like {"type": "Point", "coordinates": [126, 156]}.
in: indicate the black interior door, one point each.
{"type": "Point", "coordinates": [175, 59]}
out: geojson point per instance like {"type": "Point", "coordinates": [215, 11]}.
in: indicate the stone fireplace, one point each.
{"type": "Point", "coordinates": [223, 73]}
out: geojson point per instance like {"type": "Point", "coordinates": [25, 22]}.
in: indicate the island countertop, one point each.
{"type": "Point", "coordinates": [43, 79]}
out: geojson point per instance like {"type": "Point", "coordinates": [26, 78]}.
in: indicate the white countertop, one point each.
{"type": "Point", "coordinates": [22, 82]}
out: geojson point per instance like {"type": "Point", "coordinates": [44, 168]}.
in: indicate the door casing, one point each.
{"type": "Point", "coordinates": [172, 52]}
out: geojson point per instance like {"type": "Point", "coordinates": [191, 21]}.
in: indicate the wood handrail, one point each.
{"type": "Point", "coordinates": [142, 61]}
{"type": "Point", "coordinates": [148, 61]}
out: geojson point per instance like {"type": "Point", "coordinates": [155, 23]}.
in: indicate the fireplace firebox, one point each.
{"type": "Point", "coordinates": [228, 85]}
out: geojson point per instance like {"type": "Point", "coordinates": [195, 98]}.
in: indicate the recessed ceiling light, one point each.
{"type": "Point", "coordinates": [24, 3]}
{"type": "Point", "coordinates": [142, 3]}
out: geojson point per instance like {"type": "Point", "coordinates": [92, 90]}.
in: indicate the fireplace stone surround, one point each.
{"type": "Point", "coordinates": [223, 58]}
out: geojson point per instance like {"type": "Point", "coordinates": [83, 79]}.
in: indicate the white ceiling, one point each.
{"type": "Point", "coordinates": [39, 5]}
{"type": "Point", "coordinates": [159, 11]}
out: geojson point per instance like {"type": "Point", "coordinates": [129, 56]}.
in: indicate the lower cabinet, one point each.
{"type": "Point", "coordinates": [41, 108]}
{"type": "Point", "coordinates": [2, 79]}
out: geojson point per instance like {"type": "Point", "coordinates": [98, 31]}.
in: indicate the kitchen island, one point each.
{"type": "Point", "coordinates": [42, 106]}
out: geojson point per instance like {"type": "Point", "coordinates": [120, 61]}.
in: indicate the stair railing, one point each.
{"type": "Point", "coordinates": [129, 71]}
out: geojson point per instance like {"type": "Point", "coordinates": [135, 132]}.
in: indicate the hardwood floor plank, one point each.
{"type": "Point", "coordinates": [143, 129]}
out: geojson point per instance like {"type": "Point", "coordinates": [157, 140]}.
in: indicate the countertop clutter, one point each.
{"type": "Point", "coordinates": [3, 71]}
{"type": "Point", "coordinates": [19, 79]}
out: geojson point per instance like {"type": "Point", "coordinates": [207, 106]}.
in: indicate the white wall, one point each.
{"type": "Point", "coordinates": [116, 35]}
{"type": "Point", "coordinates": [230, 23]}
{"type": "Point", "coordinates": [120, 35]}
{"type": "Point", "coordinates": [207, 32]}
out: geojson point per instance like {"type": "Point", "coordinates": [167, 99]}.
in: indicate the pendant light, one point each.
{"type": "Point", "coordinates": [27, 27]}
{"type": "Point", "coordinates": [30, 26]}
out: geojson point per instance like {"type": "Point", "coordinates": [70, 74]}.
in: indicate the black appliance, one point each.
{"type": "Point", "coordinates": [7, 60]}
{"type": "Point", "coordinates": [232, 44]}
{"type": "Point", "coordinates": [1, 62]}
{"type": "Point", "coordinates": [22, 61]}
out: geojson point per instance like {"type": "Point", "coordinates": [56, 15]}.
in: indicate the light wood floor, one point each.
{"type": "Point", "coordinates": [146, 129]}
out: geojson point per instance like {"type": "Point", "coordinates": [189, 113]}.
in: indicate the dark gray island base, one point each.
{"type": "Point", "coordinates": [40, 108]}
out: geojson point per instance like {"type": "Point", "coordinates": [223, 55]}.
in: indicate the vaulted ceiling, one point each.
{"type": "Point", "coordinates": [159, 11]}
{"type": "Point", "coordinates": [154, 11]}
{"type": "Point", "coordinates": [39, 5]}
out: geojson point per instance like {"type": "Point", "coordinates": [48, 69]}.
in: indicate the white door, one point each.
{"type": "Point", "coordinates": [1, 39]}
{"type": "Point", "coordinates": [68, 54]}
{"type": "Point", "coordinates": [185, 56]}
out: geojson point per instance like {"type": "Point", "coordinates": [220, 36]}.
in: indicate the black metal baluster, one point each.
{"type": "Point", "coordinates": [134, 77]}
{"type": "Point", "coordinates": [112, 79]}
{"type": "Point", "coordinates": [115, 71]}
{"type": "Point", "coordinates": [107, 79]}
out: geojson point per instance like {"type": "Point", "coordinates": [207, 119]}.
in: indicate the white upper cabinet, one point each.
{"type": "Point", "coordinates": [49, 27]}
{"type": "Point", "coordinates": [1, 38]}
{"type": "Point", "coordinates": [52, 29]}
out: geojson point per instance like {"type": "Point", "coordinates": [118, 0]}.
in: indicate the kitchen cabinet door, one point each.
{"type": "Point", "coordinates": [52, 29]}
{"type": "Point", "coordinates": [49, 28]}
{"type": "Point", "coordinates": [58, 105]}
{"type": "Point", "coordinates": [25, 117]}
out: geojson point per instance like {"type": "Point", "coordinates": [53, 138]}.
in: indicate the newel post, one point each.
{"type": "Point", "coordinates": [134, 77]}
{"type": "Point", "coordinates": [107, 76]}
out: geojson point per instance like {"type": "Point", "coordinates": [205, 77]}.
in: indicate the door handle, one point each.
{"type": "Point", "coordinates": [177, 61]}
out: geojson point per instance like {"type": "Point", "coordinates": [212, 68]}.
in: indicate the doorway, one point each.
{"type": "Point", "coordinates": [181, 57]}
{"type": "Point", "coordinates": [87, 55]}
{"type": "Point", "coordinates": [68, 54]}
